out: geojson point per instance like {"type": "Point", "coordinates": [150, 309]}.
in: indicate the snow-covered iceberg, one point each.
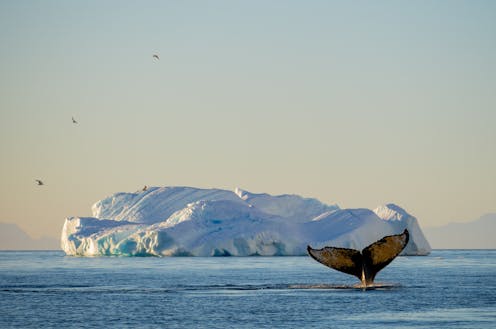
{"type": "Point", "coordinates": [186, 221]}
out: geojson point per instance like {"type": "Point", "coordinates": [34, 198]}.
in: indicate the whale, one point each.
{"type": "Point", "coordinates": [363, 264]}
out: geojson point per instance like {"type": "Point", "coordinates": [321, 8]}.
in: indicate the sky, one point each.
{"type": "Point", "coordinates": [355, 103]}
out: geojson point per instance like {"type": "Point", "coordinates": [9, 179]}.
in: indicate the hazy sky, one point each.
{"type": "Point", "coordinates": [358, 103]}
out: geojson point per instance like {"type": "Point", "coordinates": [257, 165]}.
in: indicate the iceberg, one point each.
{"type": "Point", "coordinates": [188, 221]}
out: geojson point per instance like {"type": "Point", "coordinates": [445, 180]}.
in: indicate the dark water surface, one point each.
{"type": "Point", "coordinates": [449, 288]}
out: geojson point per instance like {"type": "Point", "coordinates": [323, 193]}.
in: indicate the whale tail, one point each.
{"type": "Point", "coordinates": [365, 264]}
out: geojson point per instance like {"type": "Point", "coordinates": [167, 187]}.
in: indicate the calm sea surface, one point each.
{"type": "Point", "coordinates": [452, 289]}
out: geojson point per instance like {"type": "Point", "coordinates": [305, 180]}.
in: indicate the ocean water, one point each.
{"type": "Point", "coordinates": [449, 288]}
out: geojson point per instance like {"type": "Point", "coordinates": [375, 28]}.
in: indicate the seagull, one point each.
{"type": "Point", "coordinates": [74, 120]}
{"type": "Point", "coordinates": [39, 182]}
{"type": "Point", "coordinates": [156, 56]}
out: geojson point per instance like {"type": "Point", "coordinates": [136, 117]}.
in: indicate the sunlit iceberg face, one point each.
{"type": "Point", "coordinates": [186, 221]}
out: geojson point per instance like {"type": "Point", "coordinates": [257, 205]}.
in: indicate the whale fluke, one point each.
{"type": "Point", "coordinates": [365, 264]}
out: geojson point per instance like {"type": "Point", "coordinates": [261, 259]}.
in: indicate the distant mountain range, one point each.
{"type": "Point", "coordinates": [13, 238]}
{"type": "Point", "coordinates": [478, 234]}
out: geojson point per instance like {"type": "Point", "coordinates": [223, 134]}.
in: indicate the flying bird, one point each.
{"type": "Point", "coordinates": [39, 182]}
{"type": "Point", "coordinates": [156, 56]}
{"type": "Point", "coordinates": [74, 120]}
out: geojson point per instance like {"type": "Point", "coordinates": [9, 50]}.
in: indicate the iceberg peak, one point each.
{"type": "Point", "coordinates": [391, 211]}
{"type": "Point", "coordinates": [242, 194]}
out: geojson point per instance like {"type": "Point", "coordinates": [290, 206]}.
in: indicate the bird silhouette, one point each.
{"type": "Point", "coordinates": [145, 188]}
{"type": "Point", "coordinates": [156, 56]}
{"type": "Point", "coordinates": [39, 182]}
{"type": "Point", "coordinates": [74, 120]}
